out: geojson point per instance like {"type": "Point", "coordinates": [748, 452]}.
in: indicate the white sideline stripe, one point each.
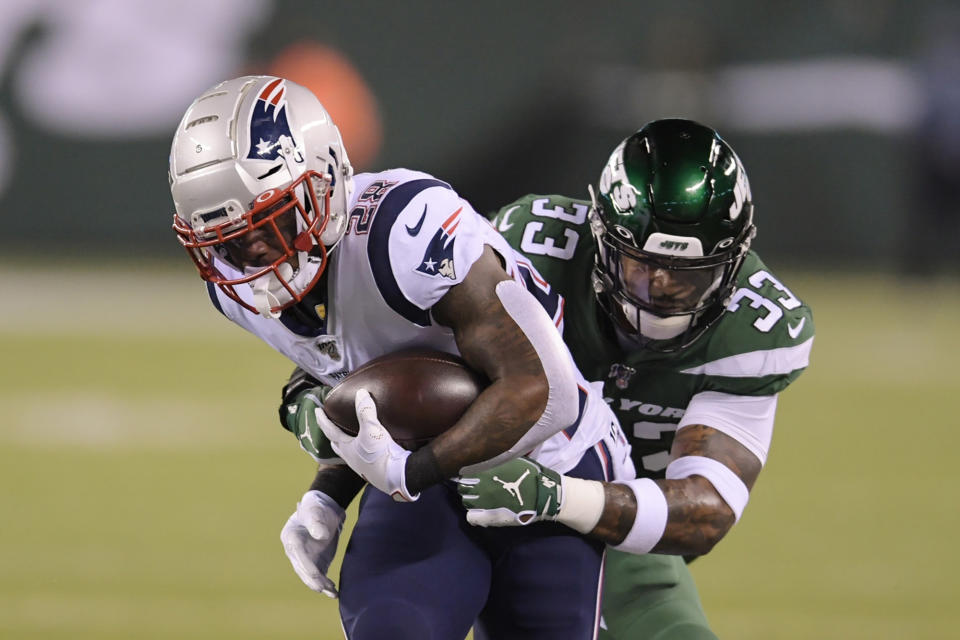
{"type": "Point", "coordinates": [100, 421]}
{"type": "Point", "coordinates": [758, 363]}
{"type": "Point", "coordinates": [122, 299]}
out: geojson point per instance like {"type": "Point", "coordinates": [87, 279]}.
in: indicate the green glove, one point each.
{"type": "Point", "coordinates": [303, 396]}
{"type": "Point", "coordinates": [515, 493]}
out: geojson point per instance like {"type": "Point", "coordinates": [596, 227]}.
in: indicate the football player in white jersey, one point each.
{"type": "Point", "coordinates": [333, 270]}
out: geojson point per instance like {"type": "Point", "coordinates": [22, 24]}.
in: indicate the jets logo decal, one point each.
{"type": "Point", "coordinates": [438, 258]}
{"type": "Point", "coordinates": [269, 128]}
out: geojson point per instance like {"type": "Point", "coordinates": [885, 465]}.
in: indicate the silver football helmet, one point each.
{"type": "Point", "coordinates": [261, 184]}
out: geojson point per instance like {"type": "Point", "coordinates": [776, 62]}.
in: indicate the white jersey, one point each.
{"type": "Point", "coordinates": [409, 239]}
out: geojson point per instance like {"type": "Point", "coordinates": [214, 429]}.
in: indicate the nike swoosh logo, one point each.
{"type": "Point", "coordinates": [503, 223]}
{"type": "Point", "coordinates": [414, 230]}
{"type": "Point", "coordinates": [795, 331]}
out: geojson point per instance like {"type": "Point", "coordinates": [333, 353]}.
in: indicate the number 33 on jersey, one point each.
{"type": "Point", "coordinates": [759, 346]}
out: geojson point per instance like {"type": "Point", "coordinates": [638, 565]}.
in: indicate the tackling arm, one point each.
{"type": "Point", "coordinates": [697, 515]}
{"type": "Point", "coordinates": [707, 486]}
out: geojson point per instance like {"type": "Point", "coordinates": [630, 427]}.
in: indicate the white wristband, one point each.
{"type": "Point", "coordinates": [581, 503]}
{"type": "Point", "coordinates": [728, 484]}
{"type": "Point", "coordinates": [651, 519]}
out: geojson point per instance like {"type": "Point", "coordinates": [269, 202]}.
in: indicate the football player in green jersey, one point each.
{"type": "Point", "coordinates": [694, 338]}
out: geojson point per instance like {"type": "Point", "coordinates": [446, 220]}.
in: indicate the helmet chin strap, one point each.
{"type": "Point", "coordinates": [335, 228]}
{"type": "Point", "coordinates": [269, 292]}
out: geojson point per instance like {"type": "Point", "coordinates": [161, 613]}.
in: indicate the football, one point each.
{"type": "Point", "coordinates": [419, 393]}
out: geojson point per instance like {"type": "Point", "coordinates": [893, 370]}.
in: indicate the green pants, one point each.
{"type": "Point", "coordinates": [651, 597]}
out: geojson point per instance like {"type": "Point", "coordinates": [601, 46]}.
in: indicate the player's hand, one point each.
{"type": "Point", "coordinates": [515, 493]}
{"type": "Point", "coordinates": [372, 453]}
{"type": "Point", "coordinates": [310, 539]}
{"type": "Point", "coordinates": [302, 420]}
{"type": "Point", "coordinates": [303, 397]}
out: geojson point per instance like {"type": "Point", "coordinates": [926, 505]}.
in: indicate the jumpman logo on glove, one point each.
{"type": "Point", "coordinates": [513, 488]}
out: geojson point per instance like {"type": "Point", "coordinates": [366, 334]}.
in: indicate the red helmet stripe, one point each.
{"type": "Point", "coordinates": [267, 90]}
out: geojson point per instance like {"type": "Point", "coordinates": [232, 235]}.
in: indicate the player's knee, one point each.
{"type": "Point", "coordinates": [390, 619]}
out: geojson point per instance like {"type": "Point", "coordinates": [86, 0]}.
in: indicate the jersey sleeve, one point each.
{"type": "Point", "coordinates": [553, 233]}
{"type": "Point", "coordinates": [746, 419]}
{"type": "Point", "coordinates": [764, 341]}
{"type": "Point", "coordinates": [431, 244]}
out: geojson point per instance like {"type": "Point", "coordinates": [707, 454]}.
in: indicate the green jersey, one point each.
{"type": "Point", "coordinates": [759, 345]}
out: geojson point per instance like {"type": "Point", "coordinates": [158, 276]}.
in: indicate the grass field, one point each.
{"type": "Point", "coordinates": [145, 478]}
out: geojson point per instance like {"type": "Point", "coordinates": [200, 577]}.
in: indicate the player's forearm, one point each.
{"type": "Point", "coordinates": [337, 481]}
{"type": "Point", "coordinates": [619, 511]}
{"type": "Point", "coordinates": [697, 517]}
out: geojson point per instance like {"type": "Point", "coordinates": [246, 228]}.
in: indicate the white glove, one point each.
{"type": "Point", "coordinates": [310, 539]}
{"type": "Point", "coordinates": [372, 454]}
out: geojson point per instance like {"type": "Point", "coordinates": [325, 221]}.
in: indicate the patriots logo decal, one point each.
{"type": "Point", "coordinates": [438, 258]}
{"type": "Point", "coordinates": [268, 123]}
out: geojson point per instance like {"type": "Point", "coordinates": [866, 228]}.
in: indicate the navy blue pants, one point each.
{"type": "Point", "coordinates": [420, 571]}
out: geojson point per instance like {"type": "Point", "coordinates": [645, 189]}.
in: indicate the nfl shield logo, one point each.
{"type": "Point", "coordinates": [621, 374]}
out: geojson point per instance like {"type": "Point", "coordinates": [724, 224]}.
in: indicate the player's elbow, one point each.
{"type": "Point", "coordinates": [552, 400]}
{"type": "Point", "coordinates": [530, 394]}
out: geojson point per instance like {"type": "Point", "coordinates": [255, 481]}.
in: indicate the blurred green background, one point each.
{"type": "Point", "coordinates": [146, 478]}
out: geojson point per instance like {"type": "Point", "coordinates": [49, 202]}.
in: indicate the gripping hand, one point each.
{"type": "Point", "coordinates": [515, 493]}
{"type": "Point", "coordinates": [310, 539]}
{"type": "Point", "coordinates": [372, 453]}
{"type": "Point", "coordinates": [303, 398]}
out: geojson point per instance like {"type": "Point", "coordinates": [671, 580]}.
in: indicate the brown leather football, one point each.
{"type": "Point", "coordinates": [419, 393]}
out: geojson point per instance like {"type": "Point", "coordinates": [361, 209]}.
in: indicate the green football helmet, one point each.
{"type": "Point", "coordinates": [672, 218]}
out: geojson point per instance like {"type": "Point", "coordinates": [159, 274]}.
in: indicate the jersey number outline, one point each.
{"type": "Point", "coordinates": [548, 246]}
{"type": "Point", "coordinates": [773, 309]}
